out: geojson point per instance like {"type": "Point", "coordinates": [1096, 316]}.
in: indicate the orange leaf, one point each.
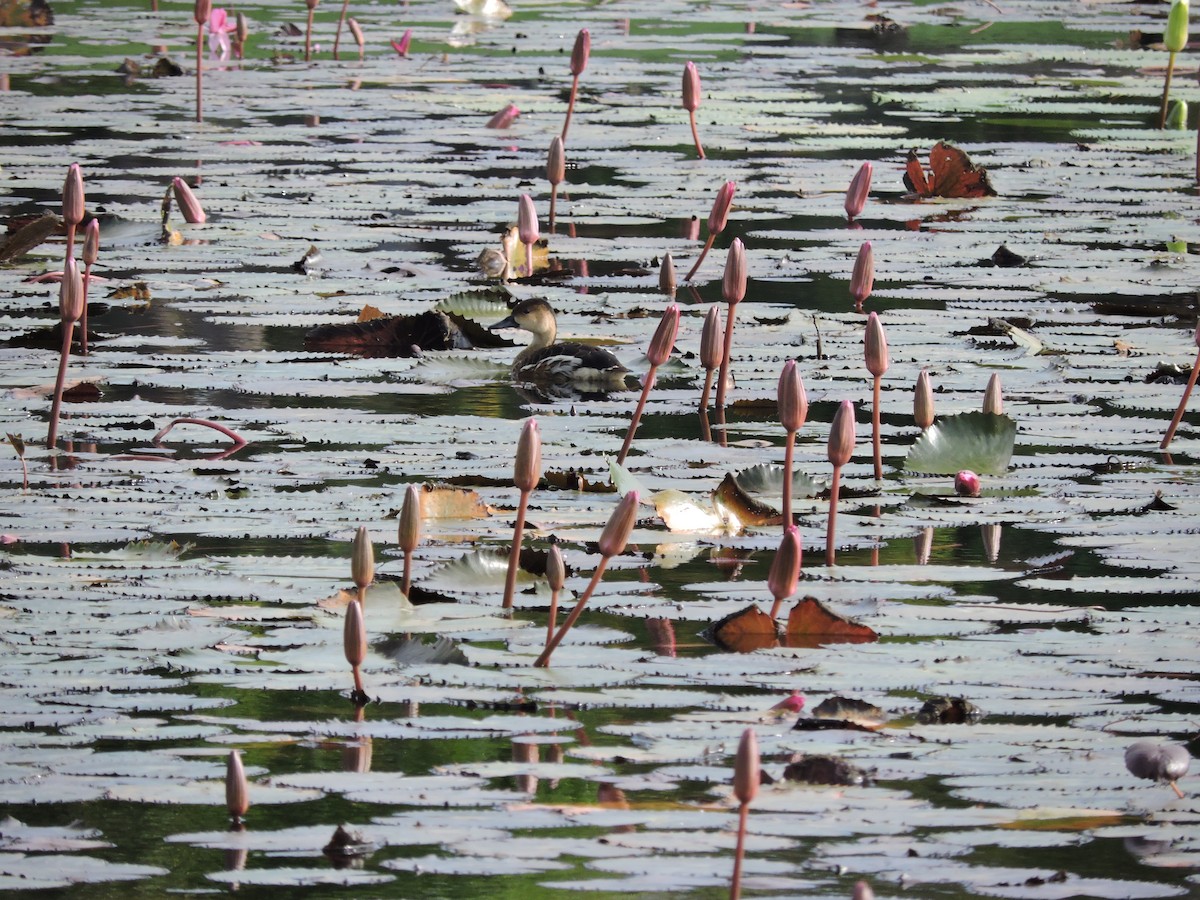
{"type": "Point", "coordinates": [810, 624]}
{"type": "Point", "coordinates": [952, 174]}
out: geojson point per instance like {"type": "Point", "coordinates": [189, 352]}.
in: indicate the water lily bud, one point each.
{"type": "Point", "coordinates": [581, 51]}
{"type": "Point", "coordinates": [1176, 36]}
{"type": "Point", "coordinates": [91, 243]}
{"type": "Point", "coordinates": [993, 400]}
{"type": "Point", "coordinates": [746, 776]}
{"type": "Point", "coordinates": [862, 280]}
{"type": "Point", "coordinates": [1177, 116]}
{"type": "Point", "coordinates": [527, 470]}
{"type": "Point", "coordinates": [527, 221]}
{"type": "Point", "coordinates": [410, 519]}
{"type": "Point", "coordinates": [792, 398]}
{"type": "Point", "coordinates": [691, 87]}
{"type": "Point", "coordinates": [733, 286]}
{"type": "Point", "coordinates": [354, 635]}
{"type": "Point", "coordinates": [923, 401]}
{"type": "Point", "coordinates": [504, 118]}
{"type": "Point", "coordinates": [785, 568]}
{"type": "Point", "coordinates": [664, 336]}
{"type": "Point", "coordinates": [966, 484]}
{"type": "Point", "coordinates": [72, 195]}
{"type": "Point", "coordinates": [712, 339]}
{"type": "Point", "coordinates": [237, 791]}
{"type": "Point", "coordinates": [720, 209]}
{"type": "Point", "coordinates": [666, 275]}
{"type": "Point", "coordinates": [311, 4]}
{"type": "Point", "coordinates": [862, 891]}
{"type": "Point", "coordinates": [556, 569]}
{"type": "Point", "coordinates": [875, 347]}
{"type": "Point", "coordinates": [842, 435]}
{"type": "Point", "coordinates": [856, 194]}
{"type": "Point", "coordinates": [1157, 762]}
{"type": "Point", "coordinates": [356, 30]}
{"type": "Point", "coordinates": [794, 702]}
{"type": "Point", "coordinates": [620, 524]}
{"type": "Point", "coordinates": [556, 162]}
{"type": "Point", "coordinates": [70, 293]}
{"type": "Point", "coordinates": [189, 206]}
{"type": "Point", "coordinates": [201, 11]}
{"type": "Point", "coordinates": [362, 558]}
{"type": "Point", "coordinates": [243, 28]}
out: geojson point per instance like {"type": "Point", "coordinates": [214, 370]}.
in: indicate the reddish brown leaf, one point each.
{"type": "Point", "coordinates": [810, 624]}
{"type": "Point", "coordinates": [745, 631]}
{"type": "Point", "coordinates": [952, 174]}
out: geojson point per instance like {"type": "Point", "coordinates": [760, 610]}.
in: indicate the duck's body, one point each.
{"type": "Point", "coordinates": [547, 362]}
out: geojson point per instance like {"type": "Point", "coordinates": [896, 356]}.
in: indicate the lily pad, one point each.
{"type": "Point", "coordinates": [981, 442]}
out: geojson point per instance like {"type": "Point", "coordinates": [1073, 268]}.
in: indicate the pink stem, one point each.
{"type": "Point", "coordinates": [553, 617]}
{"type": "Point", "coordinates": [544, 660]}
{"type": "Point", "coordinates": [216, 426]}
{"type": "Point", "coordinates": [831, 527]}
{"type": "Point", "coordinates": [337, 39]}
{"type": "Point", "coordinates": [308, 37]}
{"type": "Point", "coordinates": [553, 198]}
{"type": "Point", "coordinates": [199, 73]}
{"type": "Point", "coordinates": [875, 431]}
{"type": "Point", "coordinates": [56, 406]}
{"type": "Point", "coordinates": [1187, 392]}
{"type": "Point", "coordinates": [735, 886]}
{"type": "Point", "coordinates": [87, 279]}
{"type": "Point", "coordinates": [708, 380]}
{"type": "Point", "coordinates": [703, 253]}
{"type": "Point", "coordinates": [514, 556]}
{"type": "Point", "coordinates": [696, 134]}
{"type": "Point", "coordinates": [637, 415]}
{"type": "Point", "coordinates": [789, 451]}
{"type": "Point", "coordinates": [407, 572]}
{"type": "Point", "coordinates": [570, 107]}
{"type": "Point", "coordinates": [529, 259]}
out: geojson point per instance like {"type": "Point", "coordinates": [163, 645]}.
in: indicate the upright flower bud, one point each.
{"type": "Point", "coordinates": [1176, 36]}
{"type": "Point", "coordinates": [862, 280]}
{"type": "Point", "coordinates": [237, 791]}
{"type": "Point", "coordinates": [712, 339]}
{"type": "Point", "coordinates": [733, 286]}
{"type": "Point", "coordinates": [70, 293]}
{"type": "Point", "coordinates": [201, 11]}
{"type": "Point", "coordinates": [362, 559]}
{"type": "Point", "coordinates": [581, 51]}
{"type": "Point", "coordinates": [746, 776]}
{"type": "Point", "coordinates": [664, 336]}
{"type": "Point", "coordinates": [91, 243]}
{"type": "Point", "coordinates": [691, 87]}
{"type": "Point", "coordinates": [354, 635]}
{"type": "Point", "coordinates": [842, 435]}
{"type": "Point", "coordinates": [527, 470]}
{"type": "Point", "coordinates": [556, 162]}
{"type": "Point", "coordinates": [720, 209]}
{"type": "Point", "coordinates": [875, 347]}
{"type": "Point", "coordinates": [666, 275]}
{"type": "Point", "coordinates": [243, 28]}
{"type": "Point", "coordinates": [527, 221]}
{"type": "Point", "coordinates": [72, 195]}
{"type": "Point", "coordinates": [993, 398]}
{"type": "Point", "coordinates": [923, 401]}
{"type": "Point", "coordinates": [189, 206]}
{"type": "Point", "coordinates": [356, 30]}
{"type": "Point", "coordinates": [856, 194]}
{"type": "Point", "coordinates": [620, 524]}
{"type": "Point", "coordinates": [556, 569]}
{"type": "Point", "coordinates": [792, 398]}
{"type": "Point", "coordinates": [410, 519]}
{"type": "Point", "coordinates": [785, 568]}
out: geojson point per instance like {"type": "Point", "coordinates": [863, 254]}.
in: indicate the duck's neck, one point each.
{"type": "Point", "coordinates": [544, 336]}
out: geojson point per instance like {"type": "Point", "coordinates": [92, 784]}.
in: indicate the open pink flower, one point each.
{"type": "Point", "coordinates": [219, 29]}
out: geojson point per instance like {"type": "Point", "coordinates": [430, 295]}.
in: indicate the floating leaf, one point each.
{"type": "Point", "coordinates": [981, 442]}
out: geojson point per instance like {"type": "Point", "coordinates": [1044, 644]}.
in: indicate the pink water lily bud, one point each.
{"type": "Point", "coordinates": [527, 468]}
{"type": "Point", "coordinates": [70, 293]}
{"type": "Point", "coordinates": [581, 51]}
{"type": "Point", "coordinates": [862, 891]}
{"type": "Point", "coordinates": [242, 28]}
{"type": "Point", "coordinates": [875, 346]}
{"type": "Point", "coordinates": [712, 339]}
{"type": "Point", "coordinates": [312, 4]}
{"type": "Point", "coordinates": [409, 529]}
{"type": "Point", "coordinates": [527, 220]}
{"type": "Point", "coordinates": [72, 195]}
{"type": "Point", "coordinates": [201, 11]}
{"type": "Point", "coordinates": [556, 569]}
{"type": "Point", "coordinates": [91, 243]}
{"type": "Point", "coordinates": [966, 484]}
{"type": "Point", "coordinates": [691, 87]}
{"type": "Point", "coordinates": [993, 398]}
{"type": "Point", "coordinates": [362, 558]}
{"type": "Point", "coordinates": [842, 434]}
{"type": "Point", "coordinates": [189, 206]}
{"type": "Point", "coordinates": [792, 398]}
{"type": "Point", "coordinates": [733, 285]}
{"type": "Point", "coordinates": [785, 568]}
{"type": "Point", "coordinates": [556, 162]}
{"type": "Point", "coordinates": [666, 275]}
{"type": "Point", "coordinates": [746, 774]}
{"type": "Point", "coordinates": [504, 118]}
{"type": "Point", "coordinates": [862, 280]}
{"type": "Point", "coordinates": [356, 30]}
{"type": "Point", "coordinates": [856, 194]}
{"type": "Point", "coordinates": [620, 524]}
{"type": "Point", "coordinates": [401, 45]}
{"type": "Point", "coordinates": [237, 790]}
{"type": "Point", "coordinates": [720, 209]}
{"type": "Point", "coordinates": [794, 702]}
{"type": "Point", "coordinates": [664, 336]}
{"type": "Point", "coordinates": [923, 401]}
{"type": "Point", "coordinates": [354, 634]}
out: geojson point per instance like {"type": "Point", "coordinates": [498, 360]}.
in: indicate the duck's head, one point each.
{"type": "Point", "coordinates": [535, 316]}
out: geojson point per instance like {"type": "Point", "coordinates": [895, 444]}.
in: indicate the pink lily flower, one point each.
{"type": "Point", "coordinates": [219, 29]}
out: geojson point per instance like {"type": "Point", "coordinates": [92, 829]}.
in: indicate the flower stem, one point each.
{"type": "Point", "coordinates": [67, 328]}
{"type": "Point", "coordinates": [831, 527]}
{"type": "Point", "coordinates": [514, 556]}
{"type": "Point", "coordinates": [696, 134]}
{"type": "Point", "coordinates": [337, 39]}
{"type": "Point", "coordinates": [637, 415]}
{"type": "Point", "coordinates": [570, 106]}
{"type": "Point", "coordinates": [199, 73]}
{"type": "Point", "coordinates": [788, 452]}
{"type": "Point", "coordinates": [544, 660]}
{"type": "Point", "coordinates": [875, 440]}
{"type": "Point", "coordinates": [735, 886]}
{"type": "Point", "coordinates": [703, 253]}
{"type": "Point", "coordinates": [723, 377]}
{"type": "Point", "coordinates": [1162, 114]}
{"type": "Point", "coordinates": [1187, 392]}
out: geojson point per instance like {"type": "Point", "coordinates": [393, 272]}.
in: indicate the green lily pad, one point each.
{"type": "Point", "coordinates": [981, 442]}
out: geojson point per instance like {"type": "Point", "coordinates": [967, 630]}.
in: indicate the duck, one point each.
{"type": "Point", "coordinates": [547, 362]}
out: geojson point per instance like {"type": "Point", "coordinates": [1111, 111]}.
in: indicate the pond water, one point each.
{"type": "Point", "coordinates": [166, 602]}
